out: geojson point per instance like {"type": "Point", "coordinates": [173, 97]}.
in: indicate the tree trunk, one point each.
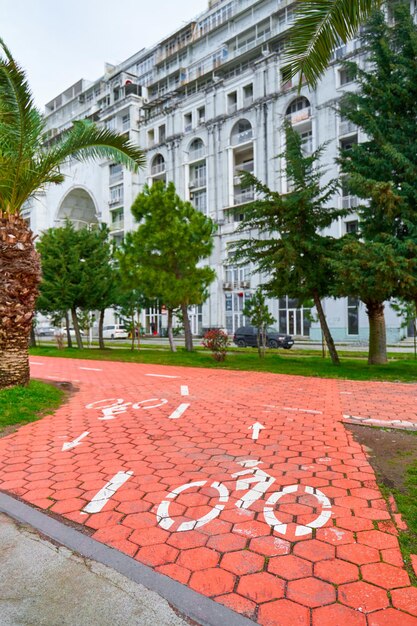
{"type": "Point", "coordinates": [19, 279]}
{"type": "Point", "coordinates": [170, 333]}
{"type": "Point", "coordinates": [76, 329]}
{"type": "Point", "coordinates": [325, 329]}
{"type": "Point", "coordinates": [67, 324]}
{"type": "Point", "coordinates": [32, 340]}
{"type": "Point", "coordinates": [132, 323]}
{"type": "Point", "coordinates": [187, 329]}
{"type": "Point", "coordinates": [100, 330]}
{"type": "Point", "coordinates": [137, 328]}
{"type": "Point", "coordinates": [377, 334]}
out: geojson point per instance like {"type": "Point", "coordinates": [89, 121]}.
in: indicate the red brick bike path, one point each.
{"type": "Point", "coordinates": [299, 536]}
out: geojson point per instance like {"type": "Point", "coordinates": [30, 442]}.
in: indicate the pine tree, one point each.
{"type": "Point", "coordinates": [290, 246]}
{"type": "Point", "coordinates": [165, 253]}
{"type": "Point", "coordinates": [258, 313]}
{"type": "Point", "coordinates": [383, 171]}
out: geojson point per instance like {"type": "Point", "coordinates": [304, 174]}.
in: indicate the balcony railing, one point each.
{"type": "Point", "coordinates": [232, 107]}
{"type": "Point", "coordinates": [115, 178]}
{"type": "Point", "coordinates": [242, 137]}
{"type": "Point", "coordinates": [299, 116]}
{"type": "Point", "coordinates": [346, 128]}
{"type": "Point", "coordinates": [117, 225]}
{"type": "Point", "coordinates": [116, 201]}
{"type": "Point", "coordinates": [244, 196]}
{"type": "Point", "coordinates": [199, 153]}
{"type": "Point", "coordinates": [246, 167]}
{"type": "Point", "coordinates": [157, 169]}
{"type": "Point", "coordinates": [350, 202]}
{"type": "Point", "coordinates": [201, 181]}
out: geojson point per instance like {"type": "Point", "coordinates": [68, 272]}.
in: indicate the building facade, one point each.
{"type": "Point", "coordinates": [204, 103]}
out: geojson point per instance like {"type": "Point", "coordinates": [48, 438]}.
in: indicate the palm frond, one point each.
{"type": "Point", "coordinates": [319, 27]}
{"type": "Point", "coordinates": [85, 141]}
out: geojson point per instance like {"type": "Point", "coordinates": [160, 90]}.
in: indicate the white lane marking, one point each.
{"type": "Point", "coordinates": [35, 363]}
{"type": "Point", "coordinates": [91, 369]}
{"type": "Point", "coordinates": [178, 412]}
{"type": "Point", "coordinates": [162, 375]}
{"type": "Point", "coordinates": [346, 393]}
{"type": "Point", "coordinates": [140, 404]}
{"type": "Point", "coordinates": [290, 408]}
{"type": "Point", "coordinates": [103, 496]}
{"type": "Point", "coordinates": [76, 442]}
{"type": "Point", "coordinates": [55, 377]}
{"type": "Point", "coordinates": [256, 429]}
{"type": "Point", "coordinates": [184, 390]}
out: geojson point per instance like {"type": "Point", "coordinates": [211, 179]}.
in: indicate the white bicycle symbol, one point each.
{"type": "Point", "coordinates": [118, 406]}
{"type": "Point", "coordinates": [262, 482]}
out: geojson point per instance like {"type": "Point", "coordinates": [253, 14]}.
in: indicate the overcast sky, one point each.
{"type": "Point", "coordinates": [57, 42]}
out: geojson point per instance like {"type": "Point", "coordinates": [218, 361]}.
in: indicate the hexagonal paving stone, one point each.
{"type": "Point", "coordinates": [311, 592]}
{"type": "Point", "coordinates": [363, 596]}
{"type": "Point", "coordinates": [213, 582]}
{"type": "Point", "coordinates": [405, 599]}
{"type": "Point", "coordinates": [261, 587]}
{"type": "Point", "coordinates": [251, 529]}
{"type": "Point", "coordinates": [242, 562]}
{"type": "Point", "coordinates": [336, 571]}
{"type": "Point", "coordinates": [270, 546]}
{"type": "Point", "coordinates": [377, 539]}
{"type": "Point", "coordinates": [290, 567]}
{"type": "Point", "coordinates": [238, 603]}
{"type": "Point", "coordinates": [283, 613]}
{"type": "Point", "coordinates": [334, 535]}
{"type": "Point", "coordinates": [390, 617]}
{"type": "Point", "coordinates": [198, 558]}
{"type": "Point", "coordinates": [336, 615]}
{"type": "Point", "coordinates": [357, 553]}
{"type": "Point", "coordinates": [314, 550]}
{"type": "Point", "coordinates": [385, 575]}
{"type": "Point", "coordinates": [159, 554]}
{"type": "Point", "coordinates": [227, 542]}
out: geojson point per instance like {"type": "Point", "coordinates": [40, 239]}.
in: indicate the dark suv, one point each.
{"type": "Point", "coordinates": [247, 336]}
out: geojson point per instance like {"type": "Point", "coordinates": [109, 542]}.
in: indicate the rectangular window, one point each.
{"type": "Point", "coordinates": [199, 201]}
{"type": "Point", "coordinates": [151, 138]}
{"type": "Point", "coordinates": [126, 122]}
{"type": "Point", "coordinates": [188, 122]}
{"type": "Point", "coordinates": [353, 316]}
{"type": "Point", "coordinates": [346, 76]}
{"type": "Point", "coordinates": [116, 194]}
{"type": "Point", "coordinates": [232, 102]}
{"type": "Point", "coordinates": [352, 226]}
{"type": "Point", "coordinates": [162, 133]}
{"type": "Point", "coordinates": [247, 94]}
{"type": "Point", "coordinates": [198, 176]}
{"type": "Point", "coordinates": [116, 172]}
{"type": "Point", "coordinates": [201, 115]}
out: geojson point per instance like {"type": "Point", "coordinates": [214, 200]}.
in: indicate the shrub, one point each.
{"type": "Point", "coordinates": [217, 341]}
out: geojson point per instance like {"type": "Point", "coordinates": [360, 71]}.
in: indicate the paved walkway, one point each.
{"type": "Point", "coordinates": [244, 486]}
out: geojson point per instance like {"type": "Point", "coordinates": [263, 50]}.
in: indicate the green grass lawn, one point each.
{"type": "Point", "coordinates": [21, 405]}
{"type": "Point", "coordinates": [399, 368]}
{"type": "Point", "coordinates": [406, 500]}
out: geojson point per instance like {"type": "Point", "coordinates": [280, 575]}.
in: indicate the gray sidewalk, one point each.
{"type": "Point", "coordinates": [42, 584]}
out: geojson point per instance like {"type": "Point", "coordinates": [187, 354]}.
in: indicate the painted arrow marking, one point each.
{"type": "Point", "coordinates": [76, 442]}
{"type": "Point", "coordinates": [184, 390]}
{"type": "Point", "coordinates": [103, 496]}
{"type": "Point", "coordinates": [178, 412]}
{"type": "Point", "coordinates": [256, 428]}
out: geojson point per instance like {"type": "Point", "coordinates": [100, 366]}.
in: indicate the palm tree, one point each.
{"type": "Point", "coordinates": [319, 27]}
{"type": "Point", "coordinates": [26, 167]}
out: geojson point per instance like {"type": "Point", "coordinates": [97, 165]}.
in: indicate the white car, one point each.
{"type": "Point", "coordinates": [115, 331]}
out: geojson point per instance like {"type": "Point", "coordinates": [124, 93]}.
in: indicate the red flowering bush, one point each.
{"type": "Point", "coordinates": [217, 341]}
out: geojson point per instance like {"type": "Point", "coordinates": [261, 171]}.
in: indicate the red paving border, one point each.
{"type": "Point", "coordinates": [347, 570]}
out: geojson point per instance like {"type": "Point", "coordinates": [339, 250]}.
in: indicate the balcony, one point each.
{"type": "Point", "coordinates": [116, 201]}
{"type": "Point", "coordinates": [241, 197]}
{"type": "Point", "coordinates": [350, 202]}
{"type": "Point", "coordinates": [199, 153]}
{"type": "Point", "coordinates": [117, 225]}
{"type": "Point", "coordinates": [200, 181]}
{"type": "Point", "coordinates": [299, 116]}
{"type": "Point", "coordinates": [347, 128]}
{"type": "Point", "coordinates": [159, 168]}
{"type": "Point", "coordinates": [232, 107]}
{"type": "Point", "coordinates": [116, 178]}
{"type": "Point", "coordinates": [243, 137]}
{"type": "Point", "coordinates": [245, 167]}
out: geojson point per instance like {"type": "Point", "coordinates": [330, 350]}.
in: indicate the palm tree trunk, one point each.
{"type": "Point", "coordinates": [187, 329]}
{"type": "Point", "coordinates": [100, 330]}
{"type": "Point", "coordinates": [377, 334]}
{"type": "Point", "coordinates": [19, 279]}
{"type": "Point", "coordinates": [170, 333]}
{"type": "Point", "coordinates": [325, 329]}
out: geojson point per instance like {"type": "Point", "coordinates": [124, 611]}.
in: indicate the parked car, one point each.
{"type": "Point", "coordinates": [248, 336]}
{"type": "Point", "coordinates": [115, 331]}
{"type": "Point", "coordinates": [45, 331]}
{"type": "Point", "coordinates": [72, 332]}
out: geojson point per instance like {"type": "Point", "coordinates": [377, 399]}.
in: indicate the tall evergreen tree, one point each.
{"type": "Point", "coordinates": [290, 246]}
{"type": "Point", "coordinates": [165, 253]}
{"type": "Point", "coordinates": [383, 170]}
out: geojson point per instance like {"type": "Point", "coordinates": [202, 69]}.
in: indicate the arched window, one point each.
{"type": "Point", "coordinates": [158, 164]}
{"type": "Point", "coordinates": [241, 132]}
{"type": "Point", "coordinates": [299, 104]}
{"type": "Point", "coordinates": [197, 149]}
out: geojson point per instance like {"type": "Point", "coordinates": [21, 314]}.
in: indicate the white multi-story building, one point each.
{"type": "Point", "coordinates": [204, 103]}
